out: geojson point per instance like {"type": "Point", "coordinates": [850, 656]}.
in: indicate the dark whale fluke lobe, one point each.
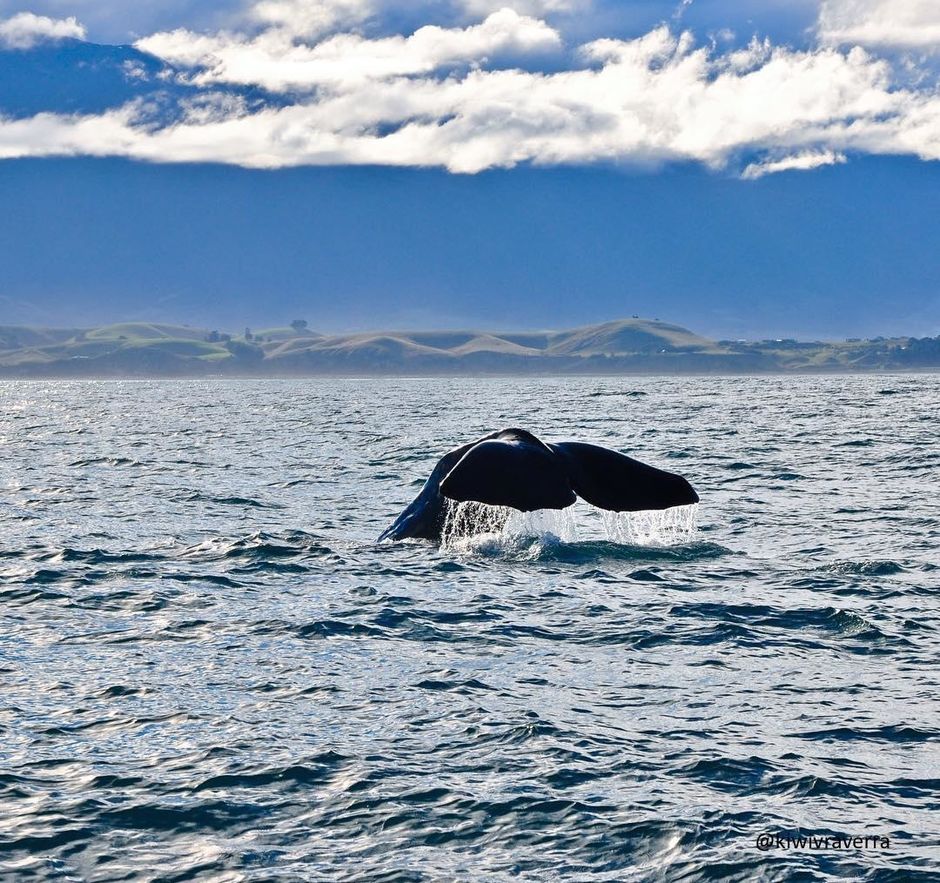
{"type": "Point", "coordinates": [522, 474]}
{"type": "Point", "coordinates": [618, 483]}
{"type": "Point", "coordinates": [515, 469]}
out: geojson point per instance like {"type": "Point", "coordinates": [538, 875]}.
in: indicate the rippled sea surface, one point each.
{"type": "Point", "coordinates": [209, 669]}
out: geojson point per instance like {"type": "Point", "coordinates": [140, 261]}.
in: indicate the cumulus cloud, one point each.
{"type": "Point", "coordinates": [894, 23]}
{"type": "Point", "coordinates": [24, 30]}
{"type": "Point", "coordinates": [455, 97]}
{"type": "Point", "coordinates": [274, 60]}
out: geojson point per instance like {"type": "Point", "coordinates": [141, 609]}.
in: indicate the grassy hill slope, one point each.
{"type": "Point", "coordinates": [621, 347]}
{"type": "Point", "coordinates": [629, 336]}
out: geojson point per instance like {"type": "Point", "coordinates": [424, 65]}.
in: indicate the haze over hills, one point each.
{"type": "Point", "coordinates": [89, 242]}
{"type": "Point", "coordinates": [620, 347]}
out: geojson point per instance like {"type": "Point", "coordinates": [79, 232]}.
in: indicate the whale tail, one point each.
{"type": "Point", "coordinates": [516, 469]}
{"type": "Point", "coordinates": [513, 468]}
{"type": "Point", "coordinates": [613, 481]}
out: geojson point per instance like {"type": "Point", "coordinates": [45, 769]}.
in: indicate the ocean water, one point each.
{"type": "Point", "coordinates": [209, 669]}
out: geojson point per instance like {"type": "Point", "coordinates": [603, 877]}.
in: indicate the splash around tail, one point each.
{"type": "Point", "coordinates": [471, 526]}
{"type": "Point", "coordinates": [511, 473]}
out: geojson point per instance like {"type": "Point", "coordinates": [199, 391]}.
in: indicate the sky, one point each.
{"type": "Point", "coordinates": [746, 169]}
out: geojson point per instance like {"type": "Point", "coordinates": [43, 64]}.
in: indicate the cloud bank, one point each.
{"type": "Point", "coordinates": [507, 88]}
{"type": "Point", "coordinates": [275, 61]}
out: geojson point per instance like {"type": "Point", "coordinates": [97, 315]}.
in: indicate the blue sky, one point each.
{"type": "Point", "coordinates": [744, 168]}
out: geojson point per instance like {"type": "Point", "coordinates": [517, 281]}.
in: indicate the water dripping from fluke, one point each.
{"type": "Point", "coordinates": [662, 527]}
{"type": "Point", "coordinates": [472, 526]}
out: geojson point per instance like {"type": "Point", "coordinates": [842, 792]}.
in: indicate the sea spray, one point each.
{"type": "Point", "coordinates": [472, 523]}
{"type": "Point", "coordinates": [556, 524]}
{"type": "Point", "coordinates": [466, 520]}
{"type": "Point", "coordinates": [664, 527]}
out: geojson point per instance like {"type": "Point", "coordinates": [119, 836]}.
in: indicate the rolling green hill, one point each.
{"type": "Point", "coordinates": [621, 347]}
{"type": "Point", "coordinates": [143, 331]}
{"type": "Point", "coordinates": [628, 336]}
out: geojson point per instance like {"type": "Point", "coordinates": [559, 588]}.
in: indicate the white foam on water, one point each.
{"type": "Point", "coordinates": [471, 526]}
{"type": "Point", "coordinates": [476, 527]}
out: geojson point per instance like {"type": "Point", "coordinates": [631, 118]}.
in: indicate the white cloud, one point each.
{"type": "Point", "coordinates": [24, 30]}
{"type": "Point", "coordinates": [809, 159]}
{"type": "Point", "coordinates": [310, 18]}
{"type": "Point", "coordinates": [428, 99]}
{"type": "Point", "coordinates": [276, 61]}
{"type": "Point", "coordinates": [525, 7]}
{"type": "Point", "coordinates": [893, 23]}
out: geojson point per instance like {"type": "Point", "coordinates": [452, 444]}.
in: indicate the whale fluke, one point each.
{"type": "Point", "coordinates": [614, 481]}
{"type": "Point", "coordinates": [513, 468]}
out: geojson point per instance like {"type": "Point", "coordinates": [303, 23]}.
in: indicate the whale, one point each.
{"type": "Point", "coordinates": [515, 469]}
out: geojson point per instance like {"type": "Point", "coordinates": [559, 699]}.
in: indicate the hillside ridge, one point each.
{"type": "Point", "coordinates": [624, 346]}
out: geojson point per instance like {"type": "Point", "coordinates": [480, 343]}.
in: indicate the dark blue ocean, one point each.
{"type": "Point", "coordinates": [209, 669]}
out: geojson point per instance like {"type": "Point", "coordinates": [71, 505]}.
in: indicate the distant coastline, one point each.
{"type": "Point", "coordinates": [628, 346]}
